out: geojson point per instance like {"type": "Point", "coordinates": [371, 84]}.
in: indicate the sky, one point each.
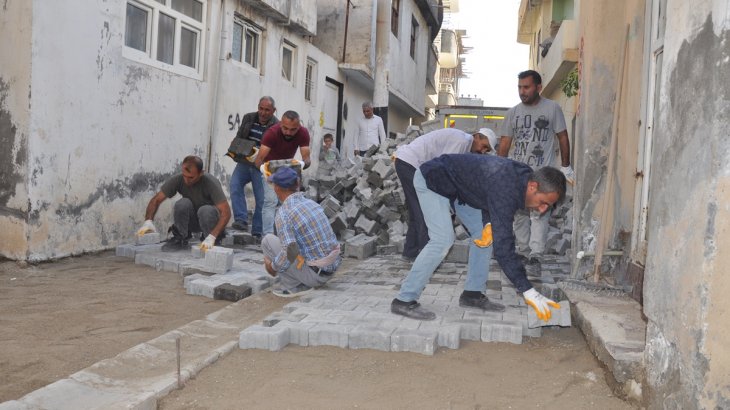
{"type": "Point", "coordinates": [496, 57]}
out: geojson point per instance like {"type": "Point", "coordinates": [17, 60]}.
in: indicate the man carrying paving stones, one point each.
{"type": "Point", "coordinates": [305, 252]}
{"type": "Point", "coordinates": [202, 208]}
{"type": "Point", "coordinates": [484, 188]}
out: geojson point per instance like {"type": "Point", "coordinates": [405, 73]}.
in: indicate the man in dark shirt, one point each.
{"type": "Point", "coordinates": [494, 187]}
{"type": "Point", "coordinates": [281, 141]}
{"type": "Point", "coordinates": [202, 208]}
{"type": "Point", "coordinates": [253, 127]}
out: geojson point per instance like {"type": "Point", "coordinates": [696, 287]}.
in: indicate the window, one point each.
{"type": "Point", "coordinates": [288, 60]}
{"type": "Point", "coordinates": [310, 76]}
{"type": "Point", "coordinates": [166, 33]}
{"type": "Point", "coordinates": [414, 36]}
{"type": "Point", "coordinates": [246, 42]}
{"type": "Point", "coordinates": [395, 6]}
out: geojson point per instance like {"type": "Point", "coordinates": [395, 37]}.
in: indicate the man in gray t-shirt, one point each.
{"type": "Point", "coordinates": [202, 208]}
{"type": "Point", "coordinates": [534, 125]}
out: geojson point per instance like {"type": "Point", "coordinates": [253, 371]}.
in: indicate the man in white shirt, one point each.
{"type": "Point", "coordinates": [370, 130]}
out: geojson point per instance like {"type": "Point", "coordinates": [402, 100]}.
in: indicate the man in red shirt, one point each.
{"type": "Point", "coordinates": [281, 141]}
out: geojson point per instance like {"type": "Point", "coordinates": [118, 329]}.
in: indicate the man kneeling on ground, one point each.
{"type": "Point", "coordinates": [202, 208]}
{"type": "Point", "coordinates": [305, 254]}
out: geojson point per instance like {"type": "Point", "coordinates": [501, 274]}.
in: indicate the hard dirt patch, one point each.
{"type": "Point", "coordinates": [555, 371]}
{"type": "Point", "coordinates": [60, 317]}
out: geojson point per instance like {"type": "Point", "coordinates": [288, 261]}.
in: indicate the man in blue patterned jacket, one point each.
{"type": "Point", "coordinates": [305, 252]}
{"type": "Point", "coordinates": [483, 187]}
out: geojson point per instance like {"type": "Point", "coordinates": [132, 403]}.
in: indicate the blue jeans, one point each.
{"type": "Point", "coordinates": [242, 175]}
{"type": "Point", "coordinates": [269, 211]}
{"type": "Point", "coordinates": [441, 236]}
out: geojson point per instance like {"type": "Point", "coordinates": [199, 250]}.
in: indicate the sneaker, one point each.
{"type": "Point", "coordinates": [176, 243]}
{"type": "Point", "coordinates": [412, 310]}
{"type": "Point", "coordinates": [298, 290]}
{"type": "Point", "coordinates": [480, 302]}
{"type": "Point", "coordinates": [240, 225]}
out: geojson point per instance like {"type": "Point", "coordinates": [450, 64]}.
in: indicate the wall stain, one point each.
{"type": "Point", "coordinates": [99, 54]}
{"type": "Point", "coordinates": [121, 188]}
{"type": "Point", "coordinates": [10, 159]}
{"type": "Point", "coordinates": [133, 76]}
{"type": "Point", "coordinates": [710, 230]}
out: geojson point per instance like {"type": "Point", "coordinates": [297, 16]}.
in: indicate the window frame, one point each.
{"type": "Point", "coordinates": [248, 26]}
{"type": "Point", "coordinates": [149, 57]}
{"type": "Point", "coordinates": [394, 17]}
{"type": "Point", "coordinates": [414, 36]}
{"type": "Point", "coordinates": [285, 44]}
{"type": "Point", "coordinates": [310, 79]}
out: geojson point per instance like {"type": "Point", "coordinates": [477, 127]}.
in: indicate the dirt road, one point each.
{"type": "Point", "coordinates": [58, 318]}
{"type": "Point", "coordinates": [555, 371]}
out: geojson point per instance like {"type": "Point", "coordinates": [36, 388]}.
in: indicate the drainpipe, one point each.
{"type": "Point", "coordinates": [216, 80]}
{"type": "Point", "coordinates": [347, 22]}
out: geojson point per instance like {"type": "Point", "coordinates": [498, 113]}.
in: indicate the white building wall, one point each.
{"type": "Point", "coordinates": [407, 76]}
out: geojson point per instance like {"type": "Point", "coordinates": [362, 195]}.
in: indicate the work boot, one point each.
{"type": "Point", "coordinates": [240, 226]}
{"type": "Point", "coordinates": [412, 310]}
{"type": "Point", "coordinates": [479, 302]}
{"type": "Point", "coordinates": [176, 243]}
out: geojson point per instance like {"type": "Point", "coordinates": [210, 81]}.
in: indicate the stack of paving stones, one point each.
{"type": "Point", "coordinates": [365, 203]}
{"type": "Point", "coordinates": [366, 208]}
{"type": "Point", "coordinates": [220, 273]}
{"type": "Point", "coordinates": [353, 311]}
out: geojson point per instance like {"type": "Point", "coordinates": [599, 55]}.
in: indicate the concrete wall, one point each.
{"type": "Point", "coordinates": [603, 28]}
{"type": "Point", "coordinates": [105, 131]}
{"type": "Point", "coordinates": [407, 76]}
{"type": "Point", "coordinates": [15, 94]}
{"type": "Point", "coordinates": [686, 281]}
{"type": "Point", "coordinates": [359, 43]}
{"type": "Point", "coordinates": [236, 77]}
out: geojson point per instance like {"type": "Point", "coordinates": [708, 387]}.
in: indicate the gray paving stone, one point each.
{"type": "Point", "coordinates": [147, 239]}
{"type": "Point", "coordinates": [328, 334]}
{"type": "Point", "coordinates": [559, 317]}
{"type": "Point", "coordinates": [501, 331]}
{"type": "Point", "coordinates": [298, 331]}
{"type": "Point", "coordinates": [370, 337]}
{"type": "Point", "coordinates": [145, 258]}
{"type": "Point", "coordinates": [126, 251]}
{"type": "Point", "coordinates": [232, 293]}
{"type": "Point", "coordinates": [219, 259]}
{"type": "Point", "coordinates": [417, 341]}
{"type": "Point", "coordinates": [449, 334]}
{"type": "Point", "coordinates": [262, 337]}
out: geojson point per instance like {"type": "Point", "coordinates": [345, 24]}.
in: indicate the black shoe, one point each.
{"type": "Point", "coordinates": [412, 310]}
{"type": "Point", "coordinates": [480, 302]}
{"type": "Point", "coordinates": [534, 260]}
{"type": "Point", "coordinates": [220, 237]}
{"type": "Point", "coordinates": [240, 225]}
{"type": "Point", "coordinates": [176, 243]}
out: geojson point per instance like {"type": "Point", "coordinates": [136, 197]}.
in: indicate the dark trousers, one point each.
{"type": "Point", "coordinates": [417, 235]}
{"type": "Point", "coordinates": [187, 220]}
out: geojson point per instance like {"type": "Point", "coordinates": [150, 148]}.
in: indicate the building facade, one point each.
{"type": "Point", "coordinates": [99, 101]}
{"type": "Point", "coordinates": [650, 150]}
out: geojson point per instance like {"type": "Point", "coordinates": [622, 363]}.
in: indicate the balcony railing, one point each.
{"type": "Point", "coordinates": [560, 58]}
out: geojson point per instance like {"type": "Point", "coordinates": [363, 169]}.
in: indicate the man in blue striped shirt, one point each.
{"type": "Point", "coordinates": [305, 252]}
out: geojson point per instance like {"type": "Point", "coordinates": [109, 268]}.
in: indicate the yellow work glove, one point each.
{"type": "Point", "coordinates": [265, 169]}
{"type": "Point", "coordinates": [147, 227]}
{"type": "Point", "coordinates": [486, 239]}
{"type": "Point", "coordinates": [300, 261]}
{"type": "Point", "coordinates": [208, 243]}
{"type": "Point", "coordinates": [254, 154]}
{"type": "Point", "coordinates": [540, 303]}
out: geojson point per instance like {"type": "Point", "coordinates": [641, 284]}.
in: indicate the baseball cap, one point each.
{"type": "Point", "coordinates": [284, 177]}
{"type": "Point", "coordinates": [491, 136]}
